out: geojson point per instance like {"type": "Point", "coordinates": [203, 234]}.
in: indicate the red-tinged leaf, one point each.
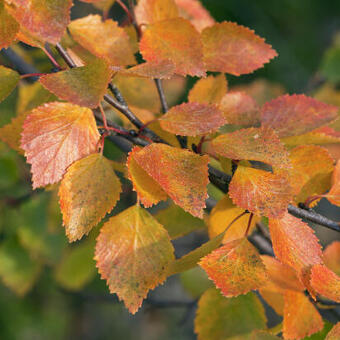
{"type": "Point", "coordinates": [8, 81]}
{"type": "Point", "coordinates": [262, 193]}
{"type": "Point", "coordinates": [175, 40]}
{"type": "Point", "coordinates": [296, 114]}
{"type": "Point", "coordinates": [182, 174]}
{"type": "Point", "coordinates": [54, 136]}
{"type": "Point", "coordinates": [163, 69]}
{"type": "Point", "coordinates": [152, 11]}
{"type": "Point", "coordinates": [334, 194]}
{"type": "Point", "coordinates": [234, 49]}
{"type": "Point", "coordinates": [240, 109]}
{"type": "Point", "coordinates": [104, 39]}
{"type": "Point", "coordinates": [312, 167]}
{"type": "Point", "coordinates": [300, 318]}
{"type": "Point", "coordinates": [133, 252]}
{"type": "Point", "coordinates": [236, 268]}
{"type": "Point", "coordinates": [209, 90]}
{"type": "Point", "coordinates": [44, 19]}
{"type": "Point", "coordinates": [192, 119]}
{"type": "Point", "coordinates": [148, 190]}
{"type": "Point", "coordinates": [325, 282]}
{"type": "Point", "coordinates": [294, 243]}
{"type": "Point", "coordinates": [8, 27]}
{"type": "Point", "coordinates": [83, 86]}
{"type": "Point", "coordinates": [281, 274]}
{"type": "Point", "coordinates": [334, 334]}
{"type": "Point", "coordinates": [256, 144]}
{"type": "Point", "coordinates": [218, 318]}
{"type": "Point", "coordinates": [331, 257]}
{"type": "Point", "coordinates": [88, 191]}
{"type": "Point", "coordinates": [195, 12]}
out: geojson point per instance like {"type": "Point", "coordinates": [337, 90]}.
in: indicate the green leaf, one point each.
{"type": "Point", "coordinates": [330, 67]}
{"type": "Point", "coordinates": [8, 81]}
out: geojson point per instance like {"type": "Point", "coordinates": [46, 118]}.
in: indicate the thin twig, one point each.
{"type": "Point", "coordinates": [161, 94]}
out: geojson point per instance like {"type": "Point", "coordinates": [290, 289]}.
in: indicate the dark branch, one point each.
{"type": "Point", "coordinates": [161, 94]}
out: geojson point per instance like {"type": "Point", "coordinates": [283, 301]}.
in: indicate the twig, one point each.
{"type": "Point", "coordinates": [161, 94]}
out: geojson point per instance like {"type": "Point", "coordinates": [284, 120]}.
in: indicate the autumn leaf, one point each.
{"type": "Point", "coordinates": [133, 251]}
{"type": "Point", "coordinates": [296, 114]}
{"type": "Point", "coordinates": [8, 27]}
{"type": "Point", "coordinates": [148, 190]}
{"type": "Point", "coordinates": [182, 174]}
{"type": "Point", "coordinates": [262, 193]}
{"type": "Point", "coordinates": [334, 194]}
{"type": "Point", "coordinates": [300, 318]}
{"type": "Point", "coordinates": [334, 334]}
{"type": "Point", "coordinates": [331, 257]}
{"type": "Point", "coordinates": [8, 81]}
{"type": "Point", "coordinates": [104, 39]}
{"type": "Point", "coordinates": [44, 19]}
{"type": "Point", "coordinates": [88, 191]}
{"type": "Point", "coordinates": [84, 86]}
{"type": "Point", "coordinates": [218, 318]}
{"type": "Point", "coordinates": [236, 268]}
{"type": "Point", "coordinates": [294, 243]}
{"type": "Point", "coordinates": [325, 282]}
{"type": "Point", "coordinates": [54, 136]}
{"type": "Point", "coordinates": [209, 90]}
{"type": "Point", "coordinates": [240, 109]}
{"type": "Point", "coordinates": [161, 41]}
{"type": "Point", "coordinates": [192, 119]}
{"type": "Point", "coordinates": [234, 49]}
{"type": "Point", "coordinates": [256, 144]}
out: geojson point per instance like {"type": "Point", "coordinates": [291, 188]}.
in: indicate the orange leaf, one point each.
{"type": "Point", "coordinates": [234, 49]}
{"type": "Point", "coordinates": [262, 193]}
{"type": "Point", "coordinates": [195, 12]}
{"type": "Point", "coordinates": [294, 243]}
{"type": "Point", "coordinates": [236, 268]}
{"type": "Point", "coordinates": [325, 282]}
{"type": "Point", "coordinates": [296, 114]}
{"type": "Point", "coordinates": [151, 11]}
{"type": "Point", "coordinates": [192, 119]}
{"type": "Point", "coordinates": [175, 40]}
{"type": "Point", "coordinates": [256, 144]}
{"type": "Point", "coordinates": [182, 174]}
{"type": "Point", "coordinates": [331, 257]}
{"type": "Point", "coordinates": [300, 318]}
{"type": "Point", "coordinates": [240, 109]}
{"type": "Point", "coordinates": [54, 136]}
{"type": "Point", "coordinates": [43, 19]}
{"type": "Point", "coordinates": [209, 90]}
{"type": "Point", "coordinates": [334, 334]}
{"type": "Point", "coordinates": [103, 39]}
{"type": "Point", "coordinates": [8, 27]}
{"type": "Point", "coordinates": [334, 194]}
{"type": "Point", "coordinates": [148, 190]}
{"type": "Point", "coordinates": [133, 251]}
{"type": "Point", "coordinates": [88, 191]}
{"type": "Point", "coordinates": [83, 86]}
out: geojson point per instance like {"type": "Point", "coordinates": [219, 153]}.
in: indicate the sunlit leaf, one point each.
{"type": "Point", "coordinates": [296, 114]}
{"type": "Point", "coordinates": [300, 317]}
{"type": "Point", "coordinates": [44, 19]}
{"type": "Point", "coordinates": [54, 136]}
{"type": "Point", "coordinates": [8, 27]}
{"type": "Point", "coordinates": [334, 334]}
{"type": "Point", "coordinates": [218, 318]}
{"type": "Point", "coordinates": [8, 81]}
{"type": "Point", "coordinates": [325, 282]}
{"type": "Point", "coordinates": [262, 193]}
{"type": "Point", "coordinates": [262, 335]}
{"type": "Point", "coordinates": [88, 191]}
{"type": "Point", "coordinates": [234, 49]}
{"type": "Point", "coordinates": [83, 86]}
{"type": "Point", "coordinates": [331, 257]}
{"type": "Point", "coordinates": [133, 251]}
{"type": "Point", "coordinates": [209, 90]}
{"type": "Point", "coordinates": [236, 268]}
{"type": "Point", "coordinates": [334, 194]}
{"type": "Point", "coordinates": [274, 298]}
{"type": "Point", "coordinates": [161, 41]}
{"type": "Point", "coordinates": [182, 174]}
{"type": "Point", "coordinates": [192, 119]}
{"type": "Point", "coordinates": [256, 144]}
{"type": "Point", "coordinates": [240, 109]}
{"type": "Point", "coordinates": [104, 39]}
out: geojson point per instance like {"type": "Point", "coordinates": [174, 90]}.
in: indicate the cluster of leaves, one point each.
{"type": "Point", "coordinates": [273, 152]}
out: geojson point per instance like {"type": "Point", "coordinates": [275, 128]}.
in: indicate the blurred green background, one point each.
{"type": "Point", "coordinates": [50, 289]}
